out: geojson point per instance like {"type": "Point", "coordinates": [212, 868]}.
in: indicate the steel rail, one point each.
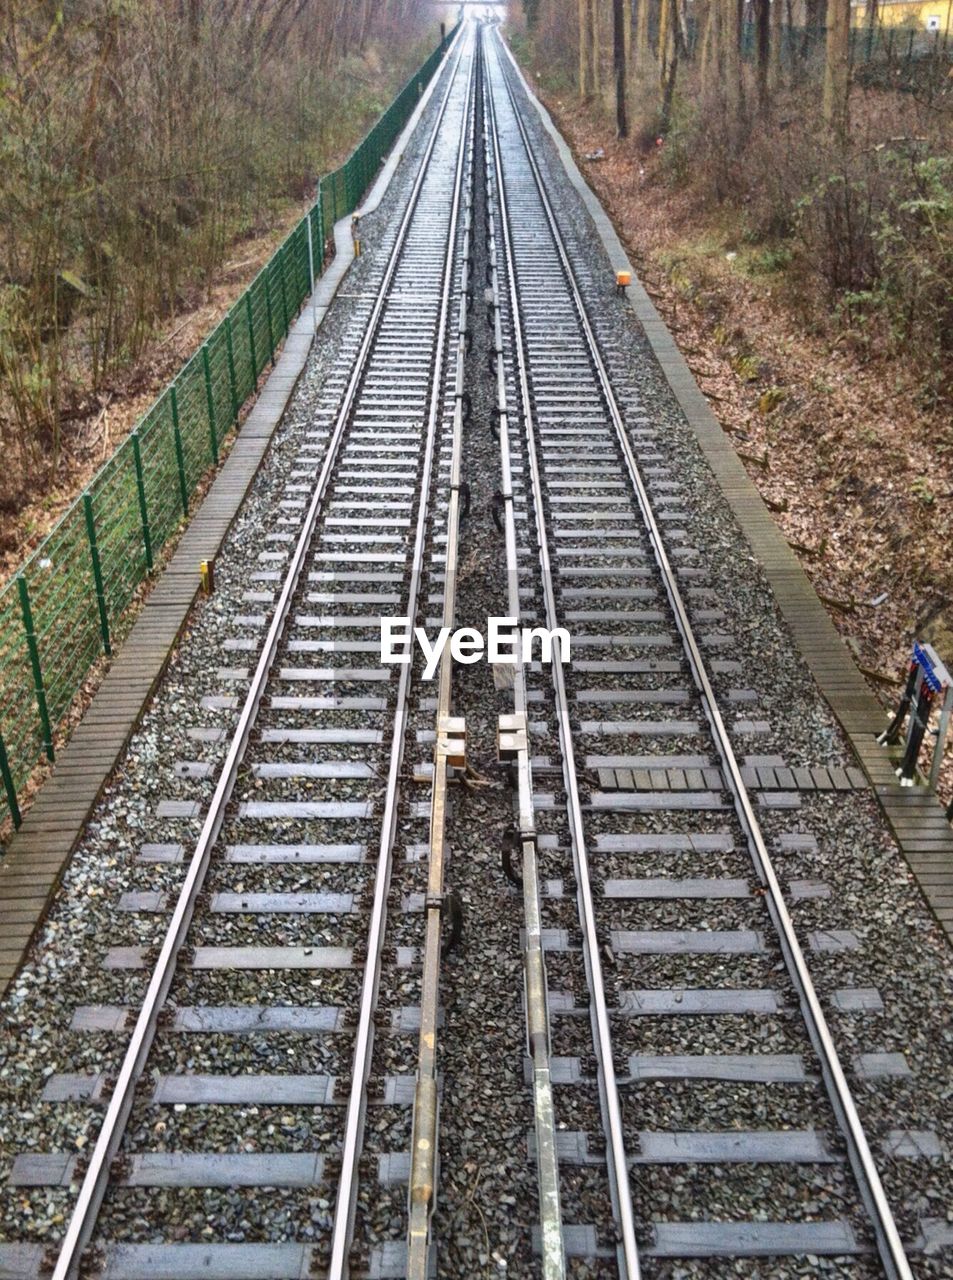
{"type": "Point", "coordinates": [890, 1246]}
{"type": "Point", "coordinates": [514, 738]}
{"type": "Point", "coordinates": [422, 1187]}
{"type": "Point", "coordinates": [338, 1268]}
{"type": "Point", "coordinates": [93, 1188]}
{"type": "Point", "coordinates": [616, 1157]}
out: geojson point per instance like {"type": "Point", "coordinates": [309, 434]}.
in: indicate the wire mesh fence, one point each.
{"type": "Point", "coordinates": [69, 602]}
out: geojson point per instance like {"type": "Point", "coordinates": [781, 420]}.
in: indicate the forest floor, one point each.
{"type": "Point", "coordinates": [846, 458]}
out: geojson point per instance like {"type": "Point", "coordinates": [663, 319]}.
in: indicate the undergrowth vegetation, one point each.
{"type": "Point", "coordinates": [853, 221]}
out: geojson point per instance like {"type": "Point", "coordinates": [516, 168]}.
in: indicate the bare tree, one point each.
{"type": "Point", "coordinates": [730, 58]}
{"type": "Point", "coordinates": [595, 46]}
{"type": "Point", "coordinates": [762, 26]}
{"type": "Point", "coordinates": [837, 67]}
{"type": "Point", "coordinates": [709, 19]}
{"type": "Point", "coordinates": [642, 35]}
{"type": "Point", "coordinates": [669, 43]}
{"type": "Point", "coordinates": [777, 38]}
{"type": "Point", "coordinates": [138, 140]}
{"type": "Point", "coordinates": [585, 47]}
{"type": "Point", "coordinates": [620, 63]}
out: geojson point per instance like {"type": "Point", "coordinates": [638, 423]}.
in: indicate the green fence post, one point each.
{"type": "Point", "coordinates": [271, 327]}
{"type": "Point", "coordinates": [179, 451]}
{"type": "Point", "coordinates": [232, 380]}
{"type": "Point", "coordinates": [210, 401]}
{"type": "Point", "coordinates": [141, 491]}
{"type": "Point", "coordinates": [282, 258]}
{"type": "Point", "coordinates": [319, 219]}
{"type": "Point", "coordinates": [34, 650]}
{"type": "Point", "coordinates": [251, 340]}
{"type": "Point", "coordinates": [310, 254]}
{"type": "Point", "coordinates": [97, 571]}
{"type": "Point", "coordinates": [8, 786]}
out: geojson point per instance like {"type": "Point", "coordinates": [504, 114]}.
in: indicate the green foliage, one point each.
{"type": "Point", "coordinates": [680, 141]}
{"type": "Point", "coordinates": [771, 260]}
{"type": "Point", "coordinates": [880, 236]}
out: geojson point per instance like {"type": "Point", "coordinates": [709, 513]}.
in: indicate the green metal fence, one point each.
{"type": "Point", "coordinates": [68, 604]}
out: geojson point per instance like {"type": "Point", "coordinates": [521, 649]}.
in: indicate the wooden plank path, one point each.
{"type": "Point", "coordinates": [914, 815]}
{"type": "Point", "coordinates": [38, 853]}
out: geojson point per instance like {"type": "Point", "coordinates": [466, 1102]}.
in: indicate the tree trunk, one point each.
{"type": "Point", "coordinates": [595, 61]}
{"type": "Point", "coordinates": [584, 44]}
{"type": "Point", "coordinates": [731, 59]}
{"type": "Point", "coordinates": [620, 66]}
{"type": "Point", "coordinates": [837, 67]}
{"type": "Point", "coordinates": [710, 49]}
{"type": "Point", "coordinates": [777, 36]}
{"type": "Point", "coordinates": [664, 18]}
{"type": "Point", "coordinates": [627, 54]}
{"type": "Point", "coordinates": [668, 47]}
{"type": "Point", "coordinates": [762, 20]}
{"type": "Point", "coordinates": [642, 35]}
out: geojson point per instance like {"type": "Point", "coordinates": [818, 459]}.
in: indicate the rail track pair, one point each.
{"type": "Point", "coordinates": [289, 879]}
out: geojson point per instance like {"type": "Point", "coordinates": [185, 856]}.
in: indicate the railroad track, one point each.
{"type": "Point", "coordinates": [287, 887]}
{"type": "Point", "coordinates": [597, 491]}
{"type": "Point", "coordinates": [281, 1066]}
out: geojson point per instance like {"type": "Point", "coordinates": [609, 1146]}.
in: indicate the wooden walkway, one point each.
{"type": "Point", "coordinates": [38, 853]}
{"type": "Point", "coordinates": [54, 824]}
{"type": "Point", "coordinates": [914, 815]}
